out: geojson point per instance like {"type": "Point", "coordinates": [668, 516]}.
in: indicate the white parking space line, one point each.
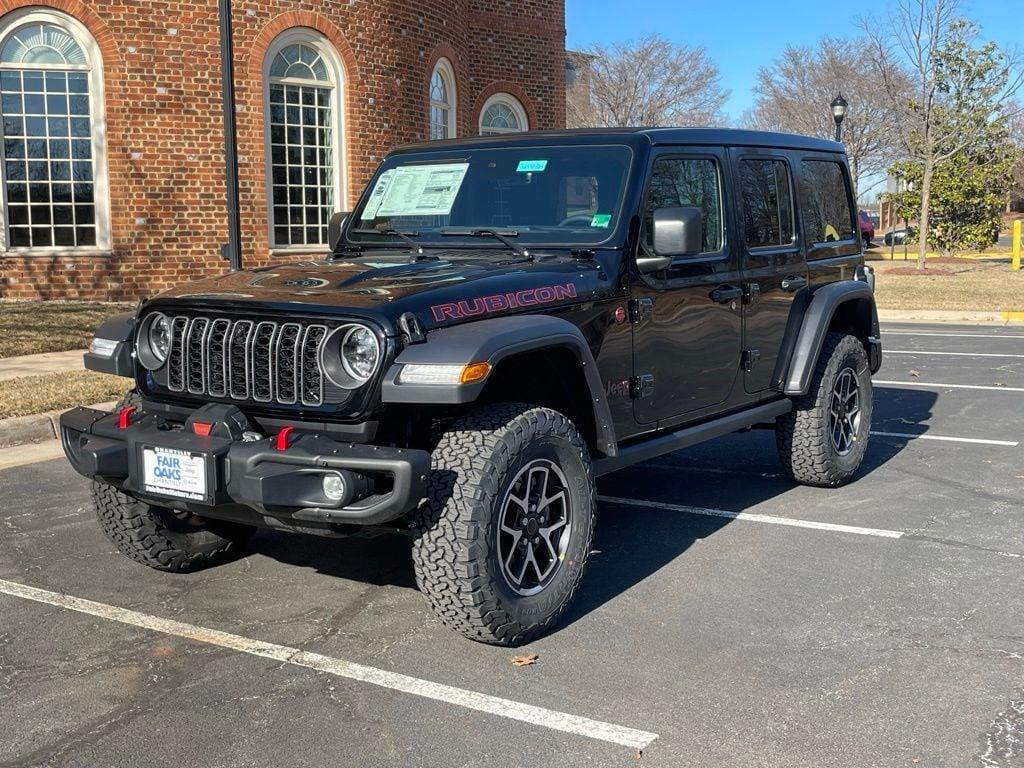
{"type": "Point", "coordinates": [953, 335]}
{"type": "Point", "coordinates": [756, 518]}
{"type": "Point", "coordinates": [948, 354]}
{"type": "Point", "coordinates": [944, 438]}
{"type": "Point", "coordinates": [480, 702]}
{"type": "Point", "coordinates": [934, 385]}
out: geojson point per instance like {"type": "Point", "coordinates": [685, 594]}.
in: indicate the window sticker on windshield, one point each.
{"type": "Point", "coordinates": [601, 220]}
{"type": "Point", "coordinates": [528, 166]}
{"type": "Point", "coordinates": [377, 196]}
{"type": "Point", "coordinates": [422, 190]}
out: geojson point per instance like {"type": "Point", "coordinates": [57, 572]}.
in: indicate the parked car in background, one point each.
{"type": "Point", "coordinates": [867, 227]}
{"type": "Point", "coordinates": [900, 236]}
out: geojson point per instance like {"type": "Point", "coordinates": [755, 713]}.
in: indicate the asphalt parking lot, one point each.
{"type": "Point", "coordinates": [728, 618]}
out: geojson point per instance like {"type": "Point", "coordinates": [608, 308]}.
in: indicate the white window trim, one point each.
{"type": "Point", "coordinates": [97, 114]}
{"type": "Point", "coordinates": [513, 104]}
{"type": "Point", "coordinates": [444, 67]}
{"type": "Point", "coordinates": [338, 77]}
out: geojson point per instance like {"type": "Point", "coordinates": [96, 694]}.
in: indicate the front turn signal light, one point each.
{"type": "Point", "coordinates": [474, 372]}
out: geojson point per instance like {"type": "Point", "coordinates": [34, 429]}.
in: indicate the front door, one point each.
{"type": "Point", "coordinates": [686, 331]}
{"type": "Point", "coordinates": [774, 269]}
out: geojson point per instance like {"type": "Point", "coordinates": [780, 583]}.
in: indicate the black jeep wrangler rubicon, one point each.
{"type": "Point", "coordinates": [499, 321]}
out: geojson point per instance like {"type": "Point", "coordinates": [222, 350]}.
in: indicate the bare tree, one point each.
{"type": "Point", "coordinates": [795, 92]}
{"type": "Point", "coordinates": [955, 89]}
{"type": "Point", "coordinates": [645, 82]}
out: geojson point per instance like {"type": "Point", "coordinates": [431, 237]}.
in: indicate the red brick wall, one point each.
{"type": "Point", "coordinates": [164, 124]}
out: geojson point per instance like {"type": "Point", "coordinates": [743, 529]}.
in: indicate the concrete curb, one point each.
{"type": "Point", "coordinates": [37, 428]}
{"type": "Point", "coordinates": [949, 316]}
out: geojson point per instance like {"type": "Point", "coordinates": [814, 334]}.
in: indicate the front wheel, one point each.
{"type": "Point", "coordinates": [505, 531]}
{"type": "Point", "coordinates": [822, 441]}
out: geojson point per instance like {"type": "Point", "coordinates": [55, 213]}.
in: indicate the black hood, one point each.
{"type": "Point", "coordinates": [384, 284]}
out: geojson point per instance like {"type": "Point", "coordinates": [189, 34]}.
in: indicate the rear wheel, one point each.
{"type": "Point", "coordinates": [822, 441]}
{"type": "Point", "coordinates": [505, 531]}
{"type": "Point", "coordinates": [163, 538]}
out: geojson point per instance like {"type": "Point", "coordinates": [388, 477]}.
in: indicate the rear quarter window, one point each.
{"type": "Point", "coordinates": [826, 203]}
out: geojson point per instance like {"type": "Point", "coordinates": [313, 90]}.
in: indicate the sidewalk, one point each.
{"type": "Point", "coordinates": [37, 365]}
{"type": "Point", "coordinates": [949, 316]}
{"type": "Point", "coordinates": [40, 427]}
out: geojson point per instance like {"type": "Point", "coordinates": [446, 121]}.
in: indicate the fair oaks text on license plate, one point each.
{"type": "Point", "coordinates": [174, 473]}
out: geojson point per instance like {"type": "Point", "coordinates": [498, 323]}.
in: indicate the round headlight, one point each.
{"type": "Point", "coordinates": [350, 356]}
{"type": "Point", "coordinates": [154, 341]}
{"type": "Point", "coordinates": [160, 337]}
{"type": "Point", "coordinates": [360, 352]}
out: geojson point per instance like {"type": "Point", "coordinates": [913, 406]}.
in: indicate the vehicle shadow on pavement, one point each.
{"type": "Point", "coordinates": [370, 559]}
{"type": "Point", "coordinates": [733, 473]}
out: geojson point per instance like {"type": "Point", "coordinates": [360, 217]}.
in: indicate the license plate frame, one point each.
{"type": "Point", "coordinates": [176, 473]}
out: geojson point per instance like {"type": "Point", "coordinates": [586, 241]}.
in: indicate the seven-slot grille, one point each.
{"type": "Point", "coordinates": [265, 362]}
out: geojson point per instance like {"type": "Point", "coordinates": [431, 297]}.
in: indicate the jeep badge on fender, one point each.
{"type": "Point", "coordinates": [500, 321]}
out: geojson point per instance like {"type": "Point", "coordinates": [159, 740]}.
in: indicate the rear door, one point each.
{"type": "Point", "coordinates": [686, 335]}
{"type": "Point", "coordinates": [774, 269]}
{"type": "Point", "coordinates": [831, 231]}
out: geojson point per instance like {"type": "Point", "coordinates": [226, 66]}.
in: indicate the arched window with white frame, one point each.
{"type": "Point", "coordinates": [442, 101]}
{"type": "Point", "coordinates": [304, 97]}
{"type": "Point", "coordinates": [54, 163]}
{"type": "Point", "coordinates": [502, 113]}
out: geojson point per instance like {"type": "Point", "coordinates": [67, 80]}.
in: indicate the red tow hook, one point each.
{"type": "Point", "coordinates": [281, 442]}
{"type": "Point", "coordinates": [124, 416]}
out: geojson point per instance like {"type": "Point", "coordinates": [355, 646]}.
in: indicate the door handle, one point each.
{"type": "Point", "coordinates": [724, 294]}
{"type": "Point", "coordinates": [794, 283]}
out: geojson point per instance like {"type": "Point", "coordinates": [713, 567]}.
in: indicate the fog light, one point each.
{"type": "Point", "coordinates": [334, 487]}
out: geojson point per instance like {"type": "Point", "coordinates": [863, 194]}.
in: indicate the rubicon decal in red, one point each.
{"type": "Point", "coordinates": [483, 305]}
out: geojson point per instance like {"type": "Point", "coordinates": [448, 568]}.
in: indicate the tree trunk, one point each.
{"type": "Point", "coordinates": [922, 223]}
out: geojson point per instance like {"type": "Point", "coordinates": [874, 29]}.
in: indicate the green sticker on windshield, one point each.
{"type": "Point", "coordinates": [601, 220]}
{"type": "Point", "coordinates": [528, 166]}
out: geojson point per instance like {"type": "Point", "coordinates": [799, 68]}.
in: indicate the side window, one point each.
{"type": "Point", "coordinates": [689, 183]}
{"type": "Point", "coordinates": [767, 200]}
{"type": "Point", "coordinates": [825, 203]}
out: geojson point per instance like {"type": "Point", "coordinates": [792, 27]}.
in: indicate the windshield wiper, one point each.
{"type": "Point", "coordinates": [499, 234]}
{"type": "Point", "coordinates": [406, 236]}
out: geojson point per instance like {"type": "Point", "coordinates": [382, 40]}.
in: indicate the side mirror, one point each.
{"type": "Point", "coordinates": [334, 227]}
{"type": "Point", "coordinates": [677, 232]}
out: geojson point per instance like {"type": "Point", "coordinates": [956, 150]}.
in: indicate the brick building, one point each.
{"type": "Point", "coordinates": [113, 172]}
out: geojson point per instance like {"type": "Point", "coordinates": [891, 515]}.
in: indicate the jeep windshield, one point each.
{"type": "Point", "coordinates": [558, 196]}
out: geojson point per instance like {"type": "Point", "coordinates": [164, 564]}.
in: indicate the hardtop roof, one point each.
{"type": "Point", "coordinates": [655, 136]}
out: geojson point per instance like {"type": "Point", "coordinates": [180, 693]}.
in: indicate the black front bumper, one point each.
{"type": "Point", "coordinates": [273, 486]}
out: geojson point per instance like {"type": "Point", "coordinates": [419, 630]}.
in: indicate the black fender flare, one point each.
{"type": "Point", "coordinates": [825, 302]}
{"type": "Point", "coordinates": [491, 341]}
{"type": "Point", "coordinates": [119, 328]}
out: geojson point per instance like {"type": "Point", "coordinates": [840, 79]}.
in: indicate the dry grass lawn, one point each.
{"type": "Point", "coordinates": [38, 394]}
{"type": "Point", "coordinates": [956, 285]}
{"type": "Point", "coordinates": [29, 327]}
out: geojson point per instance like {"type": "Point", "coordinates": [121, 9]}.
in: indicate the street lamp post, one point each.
{"type": "Point", "coordinates": [839, 106]}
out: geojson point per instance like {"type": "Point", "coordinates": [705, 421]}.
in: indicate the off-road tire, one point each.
{"type": "Point", "coordinates": [456, 551]}
{"type": "Point", "coordinates": [802, 435]}
{"type": "Point", "coordinates": [160, 537]}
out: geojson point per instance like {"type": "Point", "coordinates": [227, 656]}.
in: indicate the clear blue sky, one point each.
{"type": "Point", "coordinates": [742, 35]}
